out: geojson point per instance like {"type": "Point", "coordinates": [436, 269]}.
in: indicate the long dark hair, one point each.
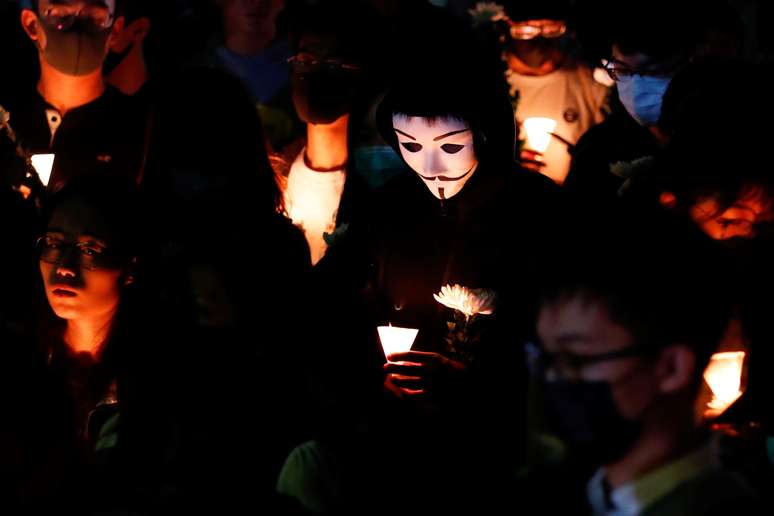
{"type": "Point", "coordinates": [116, 200]}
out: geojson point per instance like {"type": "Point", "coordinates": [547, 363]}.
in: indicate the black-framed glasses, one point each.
{"type": "Point", "coordinates": [64, 16]}
{"type": "Point", "coordinates": [617, 70]}
{"type": "Point", "coordinates": [530, 30]}
{"type": "Point", "coordinates": [90, 255]}
{"type": "Point", "coordinates": [540, 361]}
{"type": "Point", "coordinates": [305, 63]}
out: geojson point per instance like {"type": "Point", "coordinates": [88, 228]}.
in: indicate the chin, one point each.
{"type": "Point", "coordinates": [65, 310]}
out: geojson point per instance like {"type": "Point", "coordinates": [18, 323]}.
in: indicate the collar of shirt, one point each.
{"type": "Point", "coordinates": [635, 497]}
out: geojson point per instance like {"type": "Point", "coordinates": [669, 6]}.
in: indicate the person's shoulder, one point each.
{"type": "Point", "coordinates": [713, 493]}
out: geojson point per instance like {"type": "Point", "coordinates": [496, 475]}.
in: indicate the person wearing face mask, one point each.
{"type": "Point", "coordinates": [649, 44]}
{"type": "Point", "coordinates": [72, 113]}
{"type": "Point", "coordinates": [546, 80]}
{"type": "Point", "coordinates": [620, 363]}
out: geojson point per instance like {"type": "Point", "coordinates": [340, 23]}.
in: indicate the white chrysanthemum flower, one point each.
{"type": "Point", "coordinates": [468, 301]}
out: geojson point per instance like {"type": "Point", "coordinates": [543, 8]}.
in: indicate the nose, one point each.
{"type": "Point", "coordinates": [432, 163]}
{"type": "Point", "coordinates": [64, 271]}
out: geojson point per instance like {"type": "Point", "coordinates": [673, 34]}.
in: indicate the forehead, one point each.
{"type": "Point", "coordinates": [427, 126]}
{"type": "Point", "coordinates": [580, 322]}
{"type": "Point", "coordinates": [75, 217]}
{"type": "Point", "coordinates": [635, 60]}
{"type": "Point", "coordinates": [110, 4]}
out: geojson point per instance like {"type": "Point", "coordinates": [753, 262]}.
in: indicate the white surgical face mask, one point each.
{"type": "Point", "coordinates": [441, 153]}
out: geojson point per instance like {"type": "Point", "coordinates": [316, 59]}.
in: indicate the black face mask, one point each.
{"type": "Point", "coordinates": [114, 59]}
{"type": "Point", "coordinates": [322, 97]}
{"type": "Point", "coordinates": [585, 415]}
{"type": "Point", "coordinates": [77, 51]}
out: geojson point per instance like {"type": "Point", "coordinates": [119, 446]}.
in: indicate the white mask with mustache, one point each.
{"type": "Point", "coordinates": [441, 152]}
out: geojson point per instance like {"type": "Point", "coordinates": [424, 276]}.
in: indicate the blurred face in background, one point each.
{"type": "Point", "coordinates": [246, 16]}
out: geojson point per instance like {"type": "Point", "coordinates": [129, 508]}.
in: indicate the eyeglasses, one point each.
{"type": "Point", "coordinates": [305, 63]}
{"type": "Point", "coordinates": [540, 361]}
{"type": "Point", "coordinates": [90, 255]}
{"type": "Point", "coordinates": [531, 30]}
{"type": "Point", "coordinates": [63, 17]}
{"type": "Point", "coordinates": [618, 71]}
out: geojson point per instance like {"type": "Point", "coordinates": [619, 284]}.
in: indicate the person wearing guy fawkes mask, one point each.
{"type": "Point", "coordinates": [456, 218]}
{"type": "Point", "coordinates": [72, 113]}
{"type": "Point", "coordinates": [620, 359]}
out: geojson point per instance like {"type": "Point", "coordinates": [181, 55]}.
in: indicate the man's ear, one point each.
{"type": "Point", "coordinates": [116, 29]}
{"type": "Point", "coordinates": [676, 368]}
{"type": "Point", "coordinates": [139, 29]}
{"type": "Point", "coordinates": [31, 24]}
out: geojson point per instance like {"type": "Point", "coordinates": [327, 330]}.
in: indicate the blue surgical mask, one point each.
{"type": "Point", "coordinates": [642, 97]}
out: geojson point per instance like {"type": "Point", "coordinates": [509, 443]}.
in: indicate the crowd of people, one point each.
{"type": "Point", "coordinates": [222, 217]}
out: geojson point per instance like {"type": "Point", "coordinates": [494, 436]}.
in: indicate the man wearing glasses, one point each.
{"type": "Point", "coordinates": [620, 361]}
{"type": "Point", "coordinates": [648, 46]}
{"type": "Point", "coordinates": [546, 82]}
{"type": "Point", "coordinates": [72, 113]}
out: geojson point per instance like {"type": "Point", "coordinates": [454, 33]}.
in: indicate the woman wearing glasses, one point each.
{"type": "Point", "coordinates": [93, 335]}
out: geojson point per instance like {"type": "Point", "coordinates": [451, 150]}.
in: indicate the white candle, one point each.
{"type": "Point", "coordinates": [396, 340]}
{"type": "Point", "coordinates": [724, 377]}
{"type": "Point", "coordinates": [538, 132]}
{"type": "Point", "coordinates": [43, 164]}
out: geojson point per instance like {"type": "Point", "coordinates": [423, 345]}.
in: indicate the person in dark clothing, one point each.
{"type": "Point", "coordinates": [72, 113]}
{"type": "Point", "coordinates": [621, 360]}
{"type": "Point", "coordinates": [448, 410]}
{"type": "Point", "coordinates": [236, 271]}
{"type": "Point", "coordinates": [642, 64]}
{"type": "Point", "coordinates": [106, 355]}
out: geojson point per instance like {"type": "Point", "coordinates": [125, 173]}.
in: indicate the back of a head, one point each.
{"type": "Point", "coordinates": [207, 124]}
{"type": "Point", "coordinates": [656, 276]}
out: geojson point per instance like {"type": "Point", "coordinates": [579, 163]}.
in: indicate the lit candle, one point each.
{"type": "Point", "coordinates": [724, 377]}
{"type": "Point", "coordinates": [539, 132]}
{"type": "Point", "coordinates": [43, 164]}
{"type": "Point", "coordinates": [396, 340]}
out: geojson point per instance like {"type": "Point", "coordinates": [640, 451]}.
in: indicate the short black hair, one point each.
{"type": "Point", "coordinates": [657, 28]}
{"type": "Point", "coordinates": [445, 76]}
{"type": "Point", "coordinates": [655, 274]}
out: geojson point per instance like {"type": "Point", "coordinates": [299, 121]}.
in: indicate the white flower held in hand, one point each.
{"type": "Point", "coordinates": [468, 301]}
